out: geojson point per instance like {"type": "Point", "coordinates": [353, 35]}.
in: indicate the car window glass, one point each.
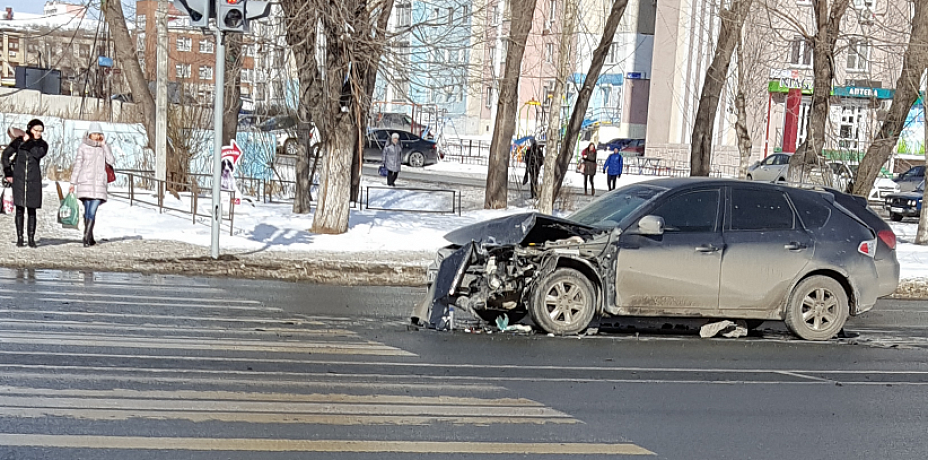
{"type": "Point", "coordinates": [760, 210]}
{"type": "Point", "coordinates": [690, 212]}
{"type": "Point", "coordinates": [812, 210]}
{"type": "Point", "coordinates": [611, 208]}
{"type": "Point", "coordinates": [382, 135]}
{"type": "Point", "coordinates": [782, 160]}
{"type": "Point", "coordinates": [769, 160]}
{"type": "Point", "coordinates": [918, 171]}
{"type": "Point", "coordinates": [406, 137]}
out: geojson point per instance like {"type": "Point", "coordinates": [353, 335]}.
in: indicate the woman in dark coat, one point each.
{"type": "Point", "coordinates": [588, 157]}
{"type": "Point", "coordinates": [22, 169]}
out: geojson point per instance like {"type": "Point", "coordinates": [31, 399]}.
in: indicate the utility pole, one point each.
{"type": "Point", "coordinates": [161, 93]}
{"type": "Point", "coordinates": [553, 142]}
{"type": "Point", "coordinates": [219, 96]}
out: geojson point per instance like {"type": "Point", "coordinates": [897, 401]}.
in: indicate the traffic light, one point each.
{"type": "Point", "coordinates": [198, 10]}
{"type": "Point", "coordinates": [230, 15]}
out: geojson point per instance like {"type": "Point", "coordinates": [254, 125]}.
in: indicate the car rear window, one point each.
{"type": "Point", "coordinates": [813, 210]}
{"type": "Point", "coordinates": [760, 210]}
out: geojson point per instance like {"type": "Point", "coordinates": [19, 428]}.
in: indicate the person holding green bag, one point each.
{"type": "Point", "coordinates": [22, 169]}
{"type": "Point", "coordinates": [88, 177]}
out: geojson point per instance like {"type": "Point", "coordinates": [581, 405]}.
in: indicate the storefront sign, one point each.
{"type": "Point", "coordinates": [862, 92]}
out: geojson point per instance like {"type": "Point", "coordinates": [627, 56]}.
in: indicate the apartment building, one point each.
{"type": "Point", "coordinates": [778, 78]}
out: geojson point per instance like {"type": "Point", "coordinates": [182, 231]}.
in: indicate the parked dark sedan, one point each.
{"type": "Point", "coordinates": [687, 247]}
{"type": "Point", "coordinates": [905, 204]}
{"type": "Point", "coordinates": [417, 152]}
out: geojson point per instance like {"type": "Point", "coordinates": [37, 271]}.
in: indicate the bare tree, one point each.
{"type": "Point", "coordinates": [498, 172]}
{"type": "Point", "coordinates": [232, 93]}
{"type": "Point", "coordinates": [828, 25]}
{"type": "Point", "coordinates": [741, 125]}
{"type": "Point", "coordinates": [559, 169]}
{"type": "Point", "coordinates": [732, 19]}
{"type": "Point", "coordinates": [907, 86]}
{"type": "Point", "coordinates": [128, 56]}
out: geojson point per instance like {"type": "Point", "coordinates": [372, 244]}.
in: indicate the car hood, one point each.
{"type": "Point", "coordinates": [906, 195]}
{"type": "Point", "coordinates": [523, 229]}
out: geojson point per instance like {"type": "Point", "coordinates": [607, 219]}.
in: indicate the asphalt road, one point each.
{"type": "Point", "coordinates": [115, 366]}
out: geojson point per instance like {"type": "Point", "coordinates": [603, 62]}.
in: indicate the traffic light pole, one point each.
{"type": "Point", "coordinates": [219, 74]}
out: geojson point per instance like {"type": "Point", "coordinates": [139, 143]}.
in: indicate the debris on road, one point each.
{"type": "Point", "coordinates": [729, 329]}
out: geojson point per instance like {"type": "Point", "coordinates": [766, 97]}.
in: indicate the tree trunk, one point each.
{"type": "Point", "coordinates": [808, 154]}
{"type": "Point", "coordinates": [546, 197]}
{"type": "Point", "coordinates": [914, 62]}
{"type": "Point", "coordinates": [127, 55]}
{"type": "Point", "coordinates": [583, 97]}
{"type": "Point", "coordinates": [921, 236]}
{"type": "Point", "coordinates": [301, 36]}
{"type": "Point", "coordinates": [232, 93]}
{"type": "Point", "coordinates": [332, 210]}
{"type": "Point", "coordinates": [498, 174]}
{"type": "Point", "coordinates": [741, 125]}
{"type": "Point", "coordinates": [732, 19]}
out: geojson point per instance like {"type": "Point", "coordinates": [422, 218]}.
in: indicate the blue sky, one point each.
{"type": "Point", "coordinates": [35, 6]}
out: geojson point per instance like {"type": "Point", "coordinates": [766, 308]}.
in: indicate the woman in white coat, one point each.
{"type": "Point", "coordinates": [88, 176]}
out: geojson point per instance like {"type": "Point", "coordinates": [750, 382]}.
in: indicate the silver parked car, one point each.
{"type": "Point", "coordinates": [774, 168]}
{"type": "Point", "coordinates": [687, 247]}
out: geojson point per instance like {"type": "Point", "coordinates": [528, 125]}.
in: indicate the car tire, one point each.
{"type": "Point", "coordinates": [749, 177]}
{"type": "Point", "coordinates": [416, 159]}
{"type": "Point", "coordinates": [895, 217]}
{"type": "Point", "coordinates": [563, 302]}
{"type": "Point", "coordinates": [817, 308]}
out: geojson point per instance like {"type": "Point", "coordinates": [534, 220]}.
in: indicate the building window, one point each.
{"type": "Point", "coordinates": [800, 52]}
{"type": "Point", "coordinates": [246, 75]}
{"type": "Point", "coordinates": [863, 4]}
{"type": "Point", "coordinates": [849, 128]}
{"type": "Point", "coordinates": [612, 57]}
{"type": "Point", "coordinates": [549, 53]}
{"type": "Point", "coordinates": [182, 71]}
{"type": "Point", "coordinates": [858, 55]}
{"type": "Point", "coordinates": [495, 12]}
{"type": "Point", "coordinates": [142, 63]}
{"type": "Point", "coordinates": [12, 54]}
{"type": "Point", "coordinates": [140, 43]}
{"type": "Point", "coordinates": [404, 14]}
{"type": "Point", "coordinates": [83, 51]}
{"type": "Point", "coordinates": [206, 72]}
{"type": "Point", "coordinates": [140, 21]}
{"type": "Point", "coordinates": [13, 45]}
{"type": "Point", "coordinates": [259, 92]}
{"type": "Point", "coordinates": [489, 98]}
{"type": "Point", "coordinates": [465, 12]}
{"type": "Point", "coordinates": [207, 47]}
{"type": "Point", "coordinates": [450, 16]}
{"type": "Point", "coordinates": [552, 13]}
{"type": "Point", "coordinates": [184, 44]}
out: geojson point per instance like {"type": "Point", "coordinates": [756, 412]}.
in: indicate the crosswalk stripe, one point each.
{"type": "Point", "coordinates": [103, 375]}
{"type": "Point", "coordinates": [300, 445]}
{"type": "Point", "coordinates": [271, 418]}
{"type": "Point", "coordinates": [60, 293]}
{"type": "Point", "coordinates": [191, 395]}
{"type": "Point", "coordinates": [290, 407]}
{"type": "Point", "coordinates": [96, 284]}
{"type": "Point", "coordinates": [44, 326]}
{"type": "Point", "coordinates": [47, 313]}
{"type": "Point", "coordinates": [89, 341]}
{"type": "Point", "coordinates": [73, 301]}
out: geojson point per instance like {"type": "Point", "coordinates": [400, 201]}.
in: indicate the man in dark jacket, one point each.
{"type": "Point", "coordinates": [22, 169]}
{"type": "Point", "coordinates": [534, 159]}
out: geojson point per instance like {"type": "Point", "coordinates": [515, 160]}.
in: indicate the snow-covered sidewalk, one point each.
{"type": "Point", "coordinates": [269, 241]}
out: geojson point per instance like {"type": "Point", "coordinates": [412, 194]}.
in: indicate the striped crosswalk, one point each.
{"type": "Point", "coordinates": [116, 359]}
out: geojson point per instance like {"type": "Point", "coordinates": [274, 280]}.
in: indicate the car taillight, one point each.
{"type": "Point", "coordinates": [888, 237]}
{"type": "Point", "coordinates": [867, 248]}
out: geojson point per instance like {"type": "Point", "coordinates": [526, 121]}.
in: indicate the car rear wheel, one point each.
{"type": "Point", "coordinates": [750, 177]}
{"type": "Point", "coordinates": [817, 308]}
{"type": "Point", "coordinates": [416, 159]}
{"type": "Point", "coordinates": [895, 217]}
{"type": "Point", "coordinates": [563, 302]}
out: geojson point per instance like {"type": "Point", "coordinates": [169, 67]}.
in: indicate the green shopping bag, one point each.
{"type": "Point", "coordinates": [69, 212]}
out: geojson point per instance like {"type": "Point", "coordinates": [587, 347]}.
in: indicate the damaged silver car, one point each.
{"type": "Point", "coordinates": [683, 247]}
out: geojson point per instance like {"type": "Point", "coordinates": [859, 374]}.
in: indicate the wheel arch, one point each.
{"type": "Point", "coordinates": [836, 275]}
{"type": "Point", "coordinates": [587, 270]}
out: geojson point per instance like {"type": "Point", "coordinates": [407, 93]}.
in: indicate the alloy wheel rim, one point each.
{"type": "Point", "coordinates": [564, 302]}
{"type": "Point", "coordinates": [416, 160]}
{"type": "Point", "coordinates": [820, 309]}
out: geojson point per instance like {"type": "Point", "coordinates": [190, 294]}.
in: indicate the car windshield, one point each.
{"type": "Point", "coordinates": [614, 206]}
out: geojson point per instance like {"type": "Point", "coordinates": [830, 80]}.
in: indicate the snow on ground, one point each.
{"type": "Point", "coordinates": [272, 226]}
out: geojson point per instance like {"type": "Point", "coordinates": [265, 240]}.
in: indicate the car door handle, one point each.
{"type": "Point", "coordinates": [794, 246]}
{"type": "Point", "coordinates": [707, 248]}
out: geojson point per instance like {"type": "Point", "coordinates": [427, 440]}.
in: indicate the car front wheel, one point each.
{"type": "Point", "coordinates": [896, 217]}
{"type": "Point", "coordinates": [563, 302]}
{"type": "Point", "coordinates": [416, 159]}
{"type": "Point", "coordinates": [817, 309]}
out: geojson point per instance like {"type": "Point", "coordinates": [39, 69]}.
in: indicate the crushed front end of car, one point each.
{"type": "Point", "coordinates": [493, 267]}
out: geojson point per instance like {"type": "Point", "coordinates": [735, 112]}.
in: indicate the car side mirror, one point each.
{"type": "Point", "coordinates": [651, 225]}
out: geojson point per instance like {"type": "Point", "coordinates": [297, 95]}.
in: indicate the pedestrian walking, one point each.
{"type": "Point", "coordinates": [88, 176]}
{"type": "Point", "coordinates": [588, 160]}
{"type": "Point", "coordinates": [534, 159]}
{"type": "Point", "coordinates": [22, 169]}
{"type": "Point", "coordinates": [613, 168]}
{"type": "Point", "coordinates": [393, 159]}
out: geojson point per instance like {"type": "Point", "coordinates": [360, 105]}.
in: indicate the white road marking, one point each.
{"type": "Point", "coordinates": [133, 296]}
{"type": "Point", "coordinates": [299, 445]}
{"type": "Point", "coordinates": [110, 327]}
{"type": "Point", "coordinates": [167, 316]}
{"type": "Point", "coordinates": [73, 301]}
